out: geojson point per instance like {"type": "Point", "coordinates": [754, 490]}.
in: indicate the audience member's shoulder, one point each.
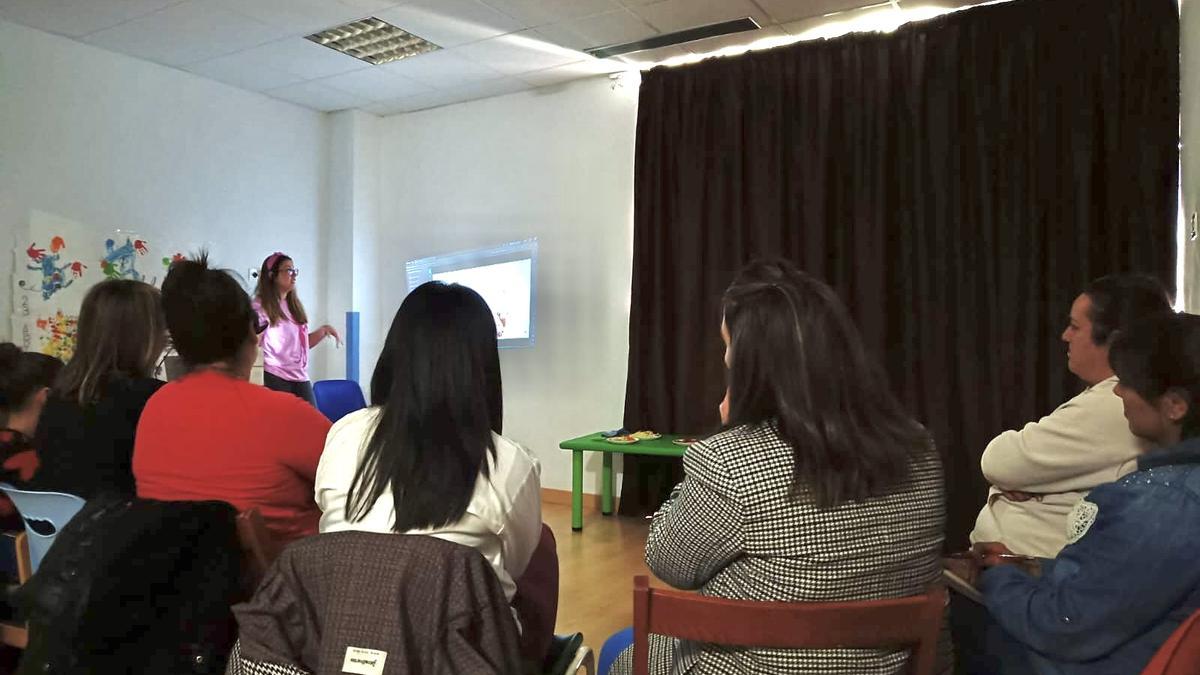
{"type": "Point", "coordinates": [287, 405]}
{"type": "Point", "coordinates": [512, 452]}
{"type": "Point", "coordinates": [141, 387]}
{"type": "Point", "coordinates": [357, 423]}
{"type": "Point", "coordinates": [925, 465]}
{"type": "Point", "coordinates": [746, 436]}
{"type": "Point", "coordinates": [1101, 392]}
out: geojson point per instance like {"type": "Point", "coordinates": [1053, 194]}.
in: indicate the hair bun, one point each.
{"type": "Point", "coordinates": [22, 373]}
{"type": "Point", "coordinates": [9, 354]}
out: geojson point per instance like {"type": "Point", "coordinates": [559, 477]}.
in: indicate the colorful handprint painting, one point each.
{"type": "Point", "coordinates": [56, 335]}
{"type": "Point", "coordinates": [120, 262]}
{"type": "Point", "coordinates": [169, 260]}
{"type": "Point", "coordinates": [55, 273]}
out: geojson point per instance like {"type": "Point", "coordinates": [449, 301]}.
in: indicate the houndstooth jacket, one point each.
{"type": "Point", "coordinates": [734, 530]}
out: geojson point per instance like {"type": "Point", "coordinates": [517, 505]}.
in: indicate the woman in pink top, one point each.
{"type": "Point", "coordinates": [286, 342]}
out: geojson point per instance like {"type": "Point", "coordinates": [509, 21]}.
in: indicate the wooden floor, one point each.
{"type": "Point", "coordinates": [596, 570]}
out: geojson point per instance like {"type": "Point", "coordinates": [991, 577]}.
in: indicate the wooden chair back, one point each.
{"type": "Point", "coordinates": [24, 562]}
{"type": "Point", "coordinates": [259, 546]}
{"type": "Point", "coordinates": [913, 622]}
{"type": "Point", "coordinates": [12, 634]}
{"type": "Point", "coordinates": [1180, 654]}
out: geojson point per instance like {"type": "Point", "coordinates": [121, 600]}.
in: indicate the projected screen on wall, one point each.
{"type": "Point", "coordinates": [503, 275]}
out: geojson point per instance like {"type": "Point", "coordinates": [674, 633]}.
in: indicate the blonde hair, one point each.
{"type": "Point", "coordinates": [121, 333]}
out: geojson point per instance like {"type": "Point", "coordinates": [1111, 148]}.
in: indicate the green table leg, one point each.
{"type": "Point", "coordinates": [577, 490]}
{"type": "Point", "coordinates": [606, 486]}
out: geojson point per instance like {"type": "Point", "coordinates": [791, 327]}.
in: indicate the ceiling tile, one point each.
{"type": "Point", "coordinates": [541, 12]}
{"type": "Point", "coordinates": [189, 32]}
{"type": "Point", "coordinates": [449, 23]}
{"type": "Point", "coordinates": [295, 17]}
{"type": "Point", "coordinates": [669, 16]}
{"type": "Point", "coordinates": [652, 56]}
{"type": "Point", "coordinates": [304, 58]}
{"type": "Point", "coordinates": [74, 18]}
{"type": "Point", "coordinates": [872, 18]}
{"type": "Point", "coordinates": [783, 11]}
{"type": "Point", "coordinates": [376, 84]}
{"type": "Point", "coordinates": [601, 30]}
{"type": "Point", "coordinates": [245, 71]}
{"type": "Point", "coordinates": [573, 71]}
{"type": "Point", "coordinates": [947, 4]}
{"type": "Point", "coordinates": [506, 85]}
{"type": "Point", "coordinates": [805, 25]}
{"type": "Point", "coordinates": [519, 53]}
{"type": "Point", "coordinates": [745, 39]}
{"type": "Point", "coordinates": [318, 96]}
{"type": "Point", "coordinates": [369, 5]}
{"type": "Point", "coordinates": [441, 69]}
{"type": "Point", "coordinates": [385, 109]}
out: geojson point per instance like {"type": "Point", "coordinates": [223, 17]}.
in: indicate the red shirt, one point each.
{"type": "Point", "coordinates": [210, 436]}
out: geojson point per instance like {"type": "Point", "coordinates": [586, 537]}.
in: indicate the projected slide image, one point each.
{"type": "Point", "coordinates": [506, 289]}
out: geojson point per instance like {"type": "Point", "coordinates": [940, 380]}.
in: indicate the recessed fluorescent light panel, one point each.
{"type": "Point", "coordinates": [373, 40]}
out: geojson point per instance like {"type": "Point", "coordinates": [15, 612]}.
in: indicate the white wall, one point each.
{"type": "Point", "coordinates": [113, 142]}
{"type": "Point", "coordinates": [556, 164]}
{"type": "Point", "coordinates": [353, 216]}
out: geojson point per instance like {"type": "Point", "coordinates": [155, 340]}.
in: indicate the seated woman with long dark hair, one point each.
{"type": "Point", "coordinates": [85, 441]}
{"type": "Point", "coordinates": [821, 488]}
{"type": "Point", "coordinates": [1129, 575]}
{"type": "Point", "coordinates": [427, 457]}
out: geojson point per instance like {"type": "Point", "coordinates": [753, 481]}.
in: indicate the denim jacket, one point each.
{"type": "Point", "coordinates": [1132, 575]}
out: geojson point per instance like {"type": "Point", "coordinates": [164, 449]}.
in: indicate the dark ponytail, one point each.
{"type": "Point", "coordinates": [207, 312]}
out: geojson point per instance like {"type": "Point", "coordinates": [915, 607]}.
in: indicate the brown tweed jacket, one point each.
{"type": "Point", "coordinates": [402, 603]}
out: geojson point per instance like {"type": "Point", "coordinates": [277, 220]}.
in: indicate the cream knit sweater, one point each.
{"type": "Point", "coordinates": [1061, 457]}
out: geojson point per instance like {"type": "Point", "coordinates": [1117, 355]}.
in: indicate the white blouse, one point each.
{"type": "Point", "coordinates": [503, 519]}
{"type": "Point", "coordinates": [1085, 442]}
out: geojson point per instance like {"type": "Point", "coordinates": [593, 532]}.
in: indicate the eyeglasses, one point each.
{"type": "Point", "coordinates": [293, 272]}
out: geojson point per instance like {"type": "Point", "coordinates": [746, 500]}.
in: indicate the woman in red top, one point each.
{"type": "Point", "coordinates": [214, 435]}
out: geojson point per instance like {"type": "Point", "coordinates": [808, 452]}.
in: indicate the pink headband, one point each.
{"type": "Point", "coordinates": [269, 263]}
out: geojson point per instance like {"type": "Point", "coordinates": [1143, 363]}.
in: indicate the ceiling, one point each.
{"type": "Point", "coordinates": [490, 47]}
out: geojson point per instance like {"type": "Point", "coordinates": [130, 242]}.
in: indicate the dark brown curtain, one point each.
{"type": "Point", "coordinates": [957, 181]}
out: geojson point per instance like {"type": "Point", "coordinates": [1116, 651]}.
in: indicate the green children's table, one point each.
{"type": "Point", "coordinates": [662, 447]}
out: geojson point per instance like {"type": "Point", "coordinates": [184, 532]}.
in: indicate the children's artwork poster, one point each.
{"type": "Point", "coordinates": [22, 333]}
{"type": "Point", "coordinates": [54, 264]}
{"type": "Point", "coordinates": [50, 333]}
{"type": "Point", "coordinates": [57, 265]}
{"type": "Point", "coordinates": [54, 334]}
{"type": "Point", "coordinates": [58, 260]}
{"type": "Point", "coordinates": [49, 270]}
{"type": "Point", "coordinates": [122, 258]}
{"type": "Point", "coordinates": [171, 255]}
{"type": "Point", "coordinates": [46, 301]}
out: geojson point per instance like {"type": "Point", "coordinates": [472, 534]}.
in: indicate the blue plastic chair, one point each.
{"type": "Point", "coordinates": [338, 398]}
{"type": "Point", "coordinates": [55, 508]}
